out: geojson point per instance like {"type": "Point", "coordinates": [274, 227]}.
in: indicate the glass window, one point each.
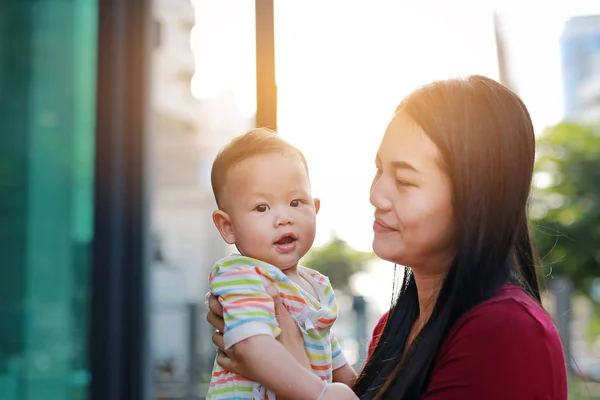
{"type": "Point", "coordinates": [47, 135]}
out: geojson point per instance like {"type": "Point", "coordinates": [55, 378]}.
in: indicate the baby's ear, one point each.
{"type": "Point", "coordinates": [223, 223]}
{"type": "Point", "coordinates": [317, 205]}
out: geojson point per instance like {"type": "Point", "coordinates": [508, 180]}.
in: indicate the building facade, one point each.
{"type": "Point", "coordinates": [580, 53]}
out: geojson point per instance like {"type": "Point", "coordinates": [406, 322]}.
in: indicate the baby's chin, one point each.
{"type": "Point", "coordinates": [284, 264]}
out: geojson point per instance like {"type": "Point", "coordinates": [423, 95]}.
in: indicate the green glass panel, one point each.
{"type": "Point", "coordinates": [47, 135]}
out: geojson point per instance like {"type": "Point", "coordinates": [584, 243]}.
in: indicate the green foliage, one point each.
{"type": "Point", "coordinates": [593, 331]}
{"type": "Point", "coordinates": [566, 208]}
{"type": "Point", "coordinates": [580, 390]}
{"type": "Point", "coordinates": [338, 261]}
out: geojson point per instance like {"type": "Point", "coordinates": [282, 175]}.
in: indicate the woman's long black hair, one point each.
{"type": "Point", "coordinates": [487, 145]}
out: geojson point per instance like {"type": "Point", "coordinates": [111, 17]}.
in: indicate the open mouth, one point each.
{"type": "Point", "coordinates": [286, 243]}
{"type": "Point", "coordinates": [286, 239]}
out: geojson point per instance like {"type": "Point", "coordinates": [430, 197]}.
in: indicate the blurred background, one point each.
{"type": "Point", "coordinates": [112, 111]}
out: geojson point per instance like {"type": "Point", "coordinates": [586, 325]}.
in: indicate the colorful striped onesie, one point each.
{"type": "Point", "coordinates": [248, 310]}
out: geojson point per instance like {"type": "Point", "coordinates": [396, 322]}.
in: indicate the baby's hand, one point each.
{"type": "Point", "coordinates": [338, 391]}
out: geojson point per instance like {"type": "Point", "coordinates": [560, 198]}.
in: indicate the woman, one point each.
{"type": "Point", "coordinates": [453, 179]}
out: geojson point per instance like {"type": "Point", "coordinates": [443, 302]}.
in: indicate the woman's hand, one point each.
{"type": "Point", "coordinates": [338, 391]}
{"type": "Point", "coordinates": [290, 337]}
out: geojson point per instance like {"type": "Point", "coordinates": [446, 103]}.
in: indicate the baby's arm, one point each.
{"type": "Point", "coordinates": [342, 370]}
{"type": "Point", "coordinates": [275, 368]}
{"type": "Point", "coordinates": [345, 375]}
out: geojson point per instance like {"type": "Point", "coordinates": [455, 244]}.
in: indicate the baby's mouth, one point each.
{"type": "Point", "coordinates": [286, 244]}
{"type": "Point", "coordinates": [286, 240]}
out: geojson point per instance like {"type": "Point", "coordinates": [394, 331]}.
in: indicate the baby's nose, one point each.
{"type": "Point", "coordinates": [283, 219]}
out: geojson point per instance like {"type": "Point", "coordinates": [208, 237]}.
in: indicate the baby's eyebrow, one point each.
{"type": "Point", "coordinates": [260, 194]}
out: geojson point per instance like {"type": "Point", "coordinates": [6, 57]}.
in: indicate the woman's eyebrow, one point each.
{"type": "Point", "coordinates": [404, 165]}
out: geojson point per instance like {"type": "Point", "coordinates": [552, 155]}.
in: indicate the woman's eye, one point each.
{"type": "Point", "coordinates": [262, 208]}
{"type": "Point", "coordinates": [295, 203]}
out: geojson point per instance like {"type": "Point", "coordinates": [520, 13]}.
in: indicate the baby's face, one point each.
{"type": "Point", "coordinates": [272, 211]}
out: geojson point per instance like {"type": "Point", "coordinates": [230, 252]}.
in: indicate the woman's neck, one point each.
{"type": "Point", "coordinates": [429, 278]}
{"type": "Point", "coordinates": [428, 287]}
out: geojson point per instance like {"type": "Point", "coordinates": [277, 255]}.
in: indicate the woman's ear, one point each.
{"type": "Point", "coordinates": [317, 205]}
{"type": "Point", "coordinates": [223, 223]}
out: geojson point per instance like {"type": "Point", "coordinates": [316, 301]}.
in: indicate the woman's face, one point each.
{"type": "Point", "coordinates": [414, 223]}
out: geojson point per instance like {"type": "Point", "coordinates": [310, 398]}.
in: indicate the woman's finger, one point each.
{"type": "Point", "coordinates": [290, 336]}
{"type": "Point", "coordinates": [215, 306]}
{"type": "Point", "coordinates": [225, 362]}
{"type": "Point", "coordinates": [217, 339]}
{"type": "Point", "coordinates": [216, 321]}
{"type": "Point", "coordinates": [274, 293]}
{"type": "Point", "coordinates": [284, 318]}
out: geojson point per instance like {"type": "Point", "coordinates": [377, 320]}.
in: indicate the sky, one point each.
{"type": "Point", "coordinates": [339, 83]}
{"type": "Point", "coordinates": [342, 70]}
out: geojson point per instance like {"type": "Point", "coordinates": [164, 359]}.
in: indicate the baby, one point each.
{"type": "Point", "coordinates": [266, 209]}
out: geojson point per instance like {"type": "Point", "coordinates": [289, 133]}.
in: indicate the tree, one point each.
{"type": "Point", "coordinates": [338, 261]}
{"type": "Point", "coordinates": [566, 207]}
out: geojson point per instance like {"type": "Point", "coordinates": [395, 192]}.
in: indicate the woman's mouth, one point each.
{"type": "Point", "coordinates": [380, 227]}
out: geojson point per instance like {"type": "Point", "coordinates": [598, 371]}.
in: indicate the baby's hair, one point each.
{"type": "Point", "coordinates": [257, 142]}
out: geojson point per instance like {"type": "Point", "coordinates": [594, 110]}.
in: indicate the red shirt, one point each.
{"type": "Point", "coordinates": [505, 348]}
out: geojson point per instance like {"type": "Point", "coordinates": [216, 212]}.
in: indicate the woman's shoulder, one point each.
{"type": "Point", "coordinates": [511, 308]}
{"type": "Point", "coordinates": [377, 331]}
{"type": "Point", "coordinates": [511, 332]}
{"type": "Point", "coordinates": [511, 315]}
{"type": "Point", "coordinates": [508, 343]}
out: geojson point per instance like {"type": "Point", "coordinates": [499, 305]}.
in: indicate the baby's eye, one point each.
{"type": "Point", "coordinates": [261, 208]}
{"type": "Point", "coordinates": [295, 203]}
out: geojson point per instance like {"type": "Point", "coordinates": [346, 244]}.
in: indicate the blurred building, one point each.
{"type": "Point", "coordinates": [580, 52]}
{"type": "Point", "coordinates": [187, 242]}
{"type": "Point", "coordinates": [505, 69]}
{"type": "Point", "coordinates": [588, 110]}
{"type": "Point", "coordinates": [180, 192]}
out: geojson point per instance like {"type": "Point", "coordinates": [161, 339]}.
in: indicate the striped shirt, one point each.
{"type": "Point", "coordinates": [248, 310]}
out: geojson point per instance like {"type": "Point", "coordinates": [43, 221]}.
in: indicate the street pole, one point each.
{"type": "Point", "coordinates": [266, 89]}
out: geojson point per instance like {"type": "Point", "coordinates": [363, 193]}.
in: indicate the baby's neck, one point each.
{"type": "Point", "coordinates": [295, 277]}
{"type": "Point", "coordinates": [290, 272]}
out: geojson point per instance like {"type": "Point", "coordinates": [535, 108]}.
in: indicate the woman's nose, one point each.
{"type": "Point", "coordinates": [379, 196]}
